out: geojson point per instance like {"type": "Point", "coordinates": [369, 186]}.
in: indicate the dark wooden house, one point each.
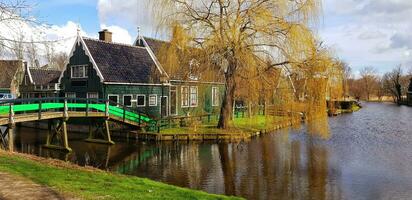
{"type": "Point", "coordinates": [132, 75]}
{"type": "Point", "coordinates": [40, 83]}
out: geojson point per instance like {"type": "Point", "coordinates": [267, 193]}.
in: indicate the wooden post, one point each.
{"type": "Point", "coordinates": [87, 107]}
{"type": "Point", "coordinates": [10, 135]}
{"type": "Point", "coordinates": [11, 114]}
{"type": "Point", "coordinates": [65, 138]}
{"type": "Point", "coordinates": [40, 107]}
{"type": "Point", "coordinates": [65, 111]}
{"type": "Point", "coordinates": [107, 108]}
{"type": "Point", "coordinates": [10, 130]}
{"type": "Point", "coordinates": [49, 132]}
{"type": "Point", "coordinates": [124, 113]}
{"type": "Point", "coordinates": [109, 139]}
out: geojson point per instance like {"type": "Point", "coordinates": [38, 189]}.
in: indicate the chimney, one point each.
{"type": "Point", "coordinates": [105, 35]}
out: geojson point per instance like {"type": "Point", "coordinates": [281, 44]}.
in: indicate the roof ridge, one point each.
{"type": "Point", "coordinates": [115, 43]}
{"type": "Point", "coordinates": [36, 68]}
{"type": "Point", "coordinates": [159, 40]}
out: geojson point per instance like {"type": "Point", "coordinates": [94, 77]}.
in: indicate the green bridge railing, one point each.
{"type": "Point", "coordinates": [41, 105]}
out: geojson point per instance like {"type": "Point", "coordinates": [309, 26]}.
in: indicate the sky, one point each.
{"type": "Point", "coordinates": [363, 33]}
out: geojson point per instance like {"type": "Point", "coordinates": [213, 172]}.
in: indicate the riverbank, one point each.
{"type": "Point", "coordinates": [74, 182]}
{"type": "Point", "coordinates": [241, 129]}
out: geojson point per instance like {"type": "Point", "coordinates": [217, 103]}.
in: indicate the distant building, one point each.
{"type": "Point", "coordinates": [11, 76]}
{"type": "Point", "coordinates": [132, 75]}
{"type": "Point", "coordinates": [40, 83]}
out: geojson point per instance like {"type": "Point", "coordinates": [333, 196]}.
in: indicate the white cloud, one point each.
{"type": "Point", "coordinates": [369, 32]}
{"type": "Point", "coordinates": [130, 14]}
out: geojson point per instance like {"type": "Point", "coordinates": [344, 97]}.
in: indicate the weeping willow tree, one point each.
{"type": "Point", "coordinates": [242, 39]}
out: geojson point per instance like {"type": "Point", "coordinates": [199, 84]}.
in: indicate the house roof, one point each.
{"type": "Point", "coordinates": [156, 44]}
{"type": "Point", "coordinates": [8, 69]}
{"type": "Point", "coordinates": [122, 63]}
{"type": "Point", "coordinates": [44, 76]}
{"type": "Point", "coordinates": [183, 73]}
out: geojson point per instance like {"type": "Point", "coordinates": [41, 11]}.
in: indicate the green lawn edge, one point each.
{"type": "Point", "coordinates": [95, 184]}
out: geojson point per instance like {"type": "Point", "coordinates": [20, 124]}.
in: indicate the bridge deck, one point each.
{"type": "Point", "coordinates": [4, 120]}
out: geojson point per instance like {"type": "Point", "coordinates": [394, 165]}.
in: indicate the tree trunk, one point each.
{"type": "Point", "coordinates": [227, 103]}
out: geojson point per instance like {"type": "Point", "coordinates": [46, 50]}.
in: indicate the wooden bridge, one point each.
{"type": "Point", "coordinates": [57, 111]}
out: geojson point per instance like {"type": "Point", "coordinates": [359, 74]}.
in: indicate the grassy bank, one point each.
{"type": "Point", "coordinates": [240, 125]}
{"type": "Point", "coordinates": [88, 183]}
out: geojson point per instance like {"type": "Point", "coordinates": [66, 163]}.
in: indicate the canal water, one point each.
{"type": "Point", "coordinates": [364, 155]}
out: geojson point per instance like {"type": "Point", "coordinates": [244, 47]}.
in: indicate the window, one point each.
{"type": "Point", "coordinates": [215, 96]}
{"type": "Point", "coordinates": [153, 100]}
{"type": "Point", "coordinates": [92, 95]}
{"type": "Point", "coordinates": [141, 100]}
{"type": "Point", "coordinates": [26, 80]}
{"type": "Point", "coordinates": [70, 95]}
{"type": "Point", "coordinates": [185, 96]}
{"type": "Point", "coordinates": [79, 71]}
{"type": "Point", "coordinates": [193, 96]}
{"type": "Point", "coordinates": [114, 99]}
{"type": "Point", "coordinates": [127, 100]}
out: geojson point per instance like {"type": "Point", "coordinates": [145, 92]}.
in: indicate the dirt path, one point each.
{"type": "Point", "coordinates": [17, 188]}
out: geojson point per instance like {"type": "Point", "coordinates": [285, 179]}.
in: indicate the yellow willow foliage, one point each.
{"type": "Point", "coordinates": [247, 41]}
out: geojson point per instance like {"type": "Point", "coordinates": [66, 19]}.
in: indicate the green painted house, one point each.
{"type": "Point", "coordinates": [132, 76]}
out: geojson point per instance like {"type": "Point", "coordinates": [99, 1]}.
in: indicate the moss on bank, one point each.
{"type": "Point", "coordinates": [91, 183]}
{"type": "Point", "coordinates": [240, 125]}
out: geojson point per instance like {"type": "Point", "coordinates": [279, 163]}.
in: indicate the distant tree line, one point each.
{"type": "Point", "coordinates": [371, 86]}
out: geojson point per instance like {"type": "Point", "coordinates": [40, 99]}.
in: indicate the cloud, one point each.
{"type": "Point", "coordinates": [129, 14]}
{"type": "Point", "coordinates": [369, 32]}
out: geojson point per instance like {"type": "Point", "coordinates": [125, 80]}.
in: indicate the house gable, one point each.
{"type": "Point", "coordinates": [80, 56]}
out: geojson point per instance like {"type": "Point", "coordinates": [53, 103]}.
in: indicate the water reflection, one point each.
{"type": "Point", "coordinates": [367, 156]}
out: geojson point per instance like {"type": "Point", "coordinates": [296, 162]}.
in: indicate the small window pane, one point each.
{"type": "Point", "coordinates": [127, 100]}
{"type": "Point", "coordinates": [215, 96]}
{"type": "Point", "coordinates": [153, 100]}
{"type": "Point", "coordinates": [70, 95]}
{"type": "Point", "coordinates": [193, 96]}
{"type": "Point", "coordinates": [93, 95]}
{"type": "Point", "coordinates": [141, 100]}
{"type": "Point", "coordinates": [113, 99]}
{"type": "Point", "coordinates": [185, 96]}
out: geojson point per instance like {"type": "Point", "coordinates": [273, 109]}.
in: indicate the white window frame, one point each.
{"type": "Point", "coordinates": [153, 95]}
{"type": "Point", "coordinates": [69, 94]}
{"type": "Point", "coordinates": [215, 93]}
{"type": "Point", "coordinates": [137, 100]}
{"type": "Point", "coordinates": [113, 95]}
{"type": "Point", "coordinates": [190, 96]}
{"type": "Point", "coordinates": [183, 105]}
{"type": "Point", "coordinates": [88, 95]}
{"type": "Point", "coordinates": [131, 100]}
{"type": "Point", "coordinates": [85, 74]}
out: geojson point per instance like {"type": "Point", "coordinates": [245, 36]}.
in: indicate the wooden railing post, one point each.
{"type": "Point", "coordinates": [11, 113]}
{"type": "Point", "coordinates": [87, 107]}
{"type": "Point", "coordinates": [65, 111]}
{"type": "Point", "coordinates": [40, 107]}
{"type": "Point", "coordinates": [107, 108]}
{"type": "Point", "coordinates": [10, 129]}
{"type": "Point", "coordinates": [124, 113]}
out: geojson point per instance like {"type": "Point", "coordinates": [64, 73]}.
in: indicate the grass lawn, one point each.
{"type": "Point", "coordinates": [85, 183]}
{"type": "Point", "coordinates": [245, 125]}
